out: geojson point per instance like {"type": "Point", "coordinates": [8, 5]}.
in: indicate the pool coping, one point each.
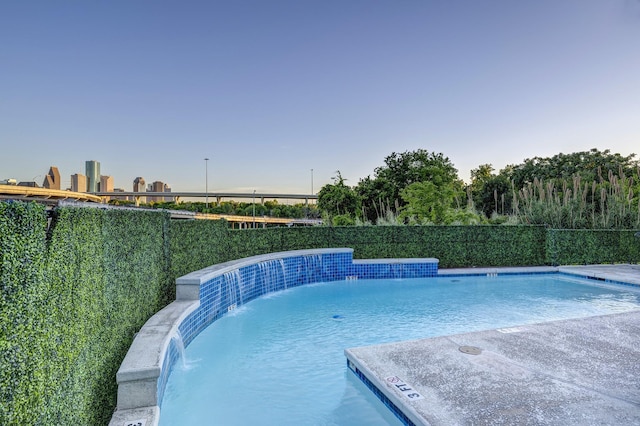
{"type": "Point", "coordinates": [570, 372]}
{"type": "Point", "coordinates": [504, 376]}
{"type": "Point", "coordinates": [138, 374]}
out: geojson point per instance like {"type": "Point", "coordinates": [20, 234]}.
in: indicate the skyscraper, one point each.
{"type": "Point", "coordinates": [106, 185]}
{"type": "Point", "coordinates": [92, 170]}
{"type": "Point", "coordinates": [78, 183]}
{"type": "Point", "coordinates": [52, 179]}
{"type": "Point", "coordinates": [156, 186]}
{"type": "Point", "coordinates": [139, 186]}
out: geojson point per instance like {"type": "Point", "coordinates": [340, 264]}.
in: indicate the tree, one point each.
{"type": "Point", "coordinates": [491, 193]}
{"type": "Point", "coordinates": [439, 205]}
{"type": "Point", "coordinates": [482, 174]}
{"type": "Point", "coordinates": [382, 192]}
{"type": "Point", "coordinates": [338, 199]}
{"type": "Point", "coordinates": [426, 201]}
{"type": "Point", "coordinates": [593, 165]}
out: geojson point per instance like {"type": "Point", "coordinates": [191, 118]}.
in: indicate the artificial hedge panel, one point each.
{"type": "Point", "coordinates": [505, 246]}
{"type": "Point", "coordinates": [454, 246]}
{"type": "Point", "coordinates": [196, 244]}
{"type": "Point", "coordinates": [249, 242]}
{"type": "Point", "coordinates": [138, 284]}
{"type": "Point", "coordinates": [302, 238]}
{"type": "Point", "coordinates": [71, 304]}
{"type": "Point", "coordinates": [447, 245]}
{"type": "Point", "coordinates": [108, 272]}
{"type": "Point", "coordinates": [367, 242]}
{"type": "Point", "coordinates": [23, 336]}
{"type": "Point", "coordinates": [75, 277]}
{"type": "Point", "coordinates": [630, 246]}
{"type": "Point", "coordinates": [584, 246]}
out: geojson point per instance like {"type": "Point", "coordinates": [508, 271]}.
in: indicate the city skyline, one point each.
{"type": "Point", "coordinates": [269, 91]}
{"type": "Point", "coordinates": [103, 183]}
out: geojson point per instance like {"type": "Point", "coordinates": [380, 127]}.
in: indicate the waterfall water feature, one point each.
{"type": "Point", "coordinates": [178, 342]}
{"type": "Point", "coordinates": [265, 280]}
{"type": "Point", "coordinates": [313, 267]}
{"type": "Point", "coordinates": [284, 273]}
{"type": "Point", "coordinates": [396, 270]}
{"type": "Point", "coordinates": [273, 275]}
{"type": "Point", "coordinates": [241, 285]}
{"type": "Point", "coordinates": [233, 287]}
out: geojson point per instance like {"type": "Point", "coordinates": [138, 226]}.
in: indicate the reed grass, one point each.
{"type": "Point", "coordinates": [609, 203]}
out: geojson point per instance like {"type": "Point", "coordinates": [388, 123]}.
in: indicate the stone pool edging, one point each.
{"type": "Point", "coordinates": [205, 295]}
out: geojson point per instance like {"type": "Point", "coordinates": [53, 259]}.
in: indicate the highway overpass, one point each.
{"type": "Point", "coordinates": [211, 196]}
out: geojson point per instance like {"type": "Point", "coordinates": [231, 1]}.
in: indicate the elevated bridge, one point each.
{"type": "Point", "coordinates": [258, 221]}
{"type": "Point", "coordinates": [48, 196]}
{"type": "Point", "coordinates": [218, 197]}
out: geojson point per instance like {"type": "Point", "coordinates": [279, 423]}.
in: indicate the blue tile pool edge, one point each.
{"type": "Point", "coordinates": [598, 278]}
{"type": "Point", "coordinates": [386, 400]}
{"type": "Point", "coordinates": [206, 295]}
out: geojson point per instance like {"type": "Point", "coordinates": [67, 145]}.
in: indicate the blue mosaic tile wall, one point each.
{"type": "Point", "coordinates": [395, 270]}
{"type": "Point", "coordinates": [227, 291]}
{"type": "Point", "coordinates": [170, 359]}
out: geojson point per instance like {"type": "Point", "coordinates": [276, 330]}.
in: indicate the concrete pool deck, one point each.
{"type": "Point", "coordinates": [569, 372]}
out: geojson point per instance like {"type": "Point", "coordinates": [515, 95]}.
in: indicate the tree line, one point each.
{"type": "Point", "coordinates": [590, 189]}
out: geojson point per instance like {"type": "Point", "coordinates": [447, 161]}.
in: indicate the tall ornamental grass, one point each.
{"type": "Point", "coordinates": [612, 203]}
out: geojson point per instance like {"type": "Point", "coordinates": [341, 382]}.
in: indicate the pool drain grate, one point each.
{"type": "Point", "coordinates": [470, 350]}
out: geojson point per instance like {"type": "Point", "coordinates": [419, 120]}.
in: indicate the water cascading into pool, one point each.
{"type": "Point", "coordinates": [396, 270]}
{"type": "Point", "coordinates": [233, 287]}
{"type": "Point", "coordinates": [284, 272]}
{"type": "Point", "coordinates": [265, 278]}
{"type": "Point", "coordinates": [178, 343]}
{"type": "Point", "coordinates": [313, 268]}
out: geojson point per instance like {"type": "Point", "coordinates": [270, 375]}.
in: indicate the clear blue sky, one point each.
{"type": "Point", "coordinates": [269, 90]}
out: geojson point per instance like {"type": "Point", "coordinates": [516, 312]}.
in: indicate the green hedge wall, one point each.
{"type": "Point", "coordinates": [455, 246]}
{"type": "Point", "coordinates": [586, 246]}
{"type": "Point", "coordinates": [73, 294]}
{"type": "Point", "coordinates": [24, 337]}
{"type": "Point", "coordinates": [196, 244]}
{"type": "Point", "coordinates": [71, 302]}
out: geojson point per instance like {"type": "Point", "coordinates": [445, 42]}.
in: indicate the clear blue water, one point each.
{"type": "Point", "coordinates": [279, 359]}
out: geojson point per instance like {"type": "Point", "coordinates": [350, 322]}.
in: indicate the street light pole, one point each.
{"type": "Point", "coordinates": [254, 208]}
{"type": "Point", "coordinates": [206, 182]}
{"type": "Point", "coordinates": [311, 181]}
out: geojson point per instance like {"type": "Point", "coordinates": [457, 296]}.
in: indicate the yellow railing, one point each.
{"type": "Point", "coordinates": [44, 193]}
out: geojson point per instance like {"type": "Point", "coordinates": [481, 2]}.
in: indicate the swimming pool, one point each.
{"type": "Point", "coordinates": [279, 359]}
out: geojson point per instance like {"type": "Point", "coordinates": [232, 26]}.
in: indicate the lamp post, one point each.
{"type": "Point", "coordinates": [254, 208]}
{"type": "Point", "coordinates": [311, 181]}
{"type": "Point", "coordinates": [206, 182]}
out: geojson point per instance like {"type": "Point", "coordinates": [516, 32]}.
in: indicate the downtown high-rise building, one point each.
{"type": "Point", "coordinates": [78, 183]}
{"type": "Point", "coordinates": [52, 179]}
{"type": "Point", "coordinates": [158, 186]}
{"type": "Point", "coordinates": [139, 186]}
{"type": "Point", "coordinates": [106, 185]}
{"type": "Point", "coordinates": [92, 171]}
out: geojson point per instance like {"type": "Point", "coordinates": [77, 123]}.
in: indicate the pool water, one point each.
{"type": "Point", "coordinates": [279, 359]}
